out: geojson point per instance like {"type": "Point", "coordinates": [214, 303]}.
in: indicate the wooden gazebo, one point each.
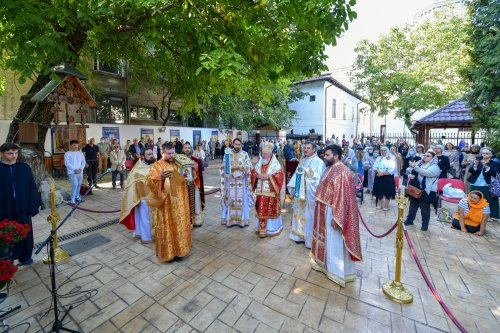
{"type": "Point", "coordinates": [453, 115]}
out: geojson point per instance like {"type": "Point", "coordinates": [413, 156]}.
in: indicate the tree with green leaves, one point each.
{"type": "Point", "coordinates": [207, 46]}
{"type": "Point", "coordinates": [484, 71]}
{"type": "Point", "coordinates": [413, 68]}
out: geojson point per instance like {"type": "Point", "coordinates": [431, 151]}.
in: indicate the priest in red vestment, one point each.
{"type": "Point", "coordinates": [336, 243]}
{"type": "Point", "coordinates": [267, 180]}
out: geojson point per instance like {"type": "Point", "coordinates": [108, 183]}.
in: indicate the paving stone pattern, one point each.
{"type": "Point", "coordinates": [232, 281]}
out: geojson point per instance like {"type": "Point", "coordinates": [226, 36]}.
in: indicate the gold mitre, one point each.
{"type": "Point", "coordinates": [268, 147]}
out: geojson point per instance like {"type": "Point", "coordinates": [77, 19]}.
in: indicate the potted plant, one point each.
{"type": "Point", "coordinates": [11, 232]}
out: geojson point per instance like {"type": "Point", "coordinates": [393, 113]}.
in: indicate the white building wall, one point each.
{"type": "Point", "coordinates": [342, 126]}
{"type": "Point", "coordinates": [309, 114]}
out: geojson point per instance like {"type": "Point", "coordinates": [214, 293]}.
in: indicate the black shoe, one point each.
{"type": "Point", "coordinates": [26, 262]}
{"type": "Point", "coordinates": [114, 186]}
{"type": "Point", "coordinates": [96, 186]}
{"type": "Point", "coordinates": [90, 193]}
{"type": "Point", "coordinates": [424, 228]}
{"type": "Point", "coordinates": [121, 185]}
{"type": "Point", "coordinates": [409, 223]}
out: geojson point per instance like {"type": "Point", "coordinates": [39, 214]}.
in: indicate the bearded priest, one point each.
{"type": "Point", "coordinates": [267, 181]}
{"type": "Point", "coordinates": [336, 243]}
{"type": "Point", "coordinates": [170, 204]}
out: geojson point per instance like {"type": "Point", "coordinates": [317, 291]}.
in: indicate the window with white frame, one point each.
{"type": "Point", "coordinates": [352, 114]}
{"type": "Point", "coordinates": [143, 112]}
{"type": "Point", "coordinates": [334, 108]}
{"type": "Point", "coordinates": [344, 111]}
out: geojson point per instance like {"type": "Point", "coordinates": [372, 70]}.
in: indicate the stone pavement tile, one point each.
{"type": "Point", "coordinates": [302, 271]}
{"type": "Point", "coordinates": [186, 273]}
{"type": "Point", "coordinates": [219, 327]}
{"type": "Point", "coordinates": [336, 307]}
{"type": "Point", "coordinates": [311, 289]}
{"type": "Point", "coordinates": [297, 296]}
{"type": "Point", "coordinates": [187, 309]}
{"type": "Point", "coordinates": [321, 280]}
{"type": "Point", "coordinates": [36, 293]}
{"type": "Point", "coordinates": [267, 272]}
{"type": "Point", "coordinates": [180, 327]}
{"type": "Point", "coordinates": [376, 327]}
{"type": "Point", "coordinates": [352, 289]}
{"type": "Point", "coordinates": [137, 324]}
{"type": "Point", "coordinates": [371, 283]}
{"type": "Point", "coordinates": [208, 314]}
{"type": "Point", "coordinates": [421, 328]}
{"type": "Point", "coordinates": [223, 272]}
{"type": "Point", "coordinates": [312, 311]}
{"type": "Point", "coordinates": [401, 324]}
{"type": "Point", "coordinates": [129, 293]}
{"type": "Point", "coordinates": [246, 324]}
{"type": "Point", "coordinates": [150, 286]}
{"type": "Point", "coordinates": [171, 291]}
{"type": "Point", "coordinates": [235, 309]}
{"type": "Point", "coordinates": [106, 275]}
{"type": "Point", "coordinates": [266, 315]}
{"type": "Point", "coordinates": [263, 328]}
{"type": "Point", "coordinates": [381, 302]}
{"type": "Point", "coordinates": [132, 311]}
{"type": "Point", "coordinates": [436, 321]}
{"type": "Point", "coordinates": [220, 291]}
{"type": "Point", "coordinates": [414, 311]}
{"type": "Point", "coordinates": [291, 325]}
{"type": "Point", "coordinates": [252, 278]}
{"type": "Point", "coordinates": [238, 284]}
{"type": "Point", "coordinates": [262, 289]}
{"type": "Point", "coordinates": [285, 268]}
{"type": "Point", "coordinates": [284, 285]}
{"type": "Point", "coordinates": [369, 311]}
{"type": "Point", "coordinates": [330, 326]}
{"type": "Point", "coordinates": [84, 311]}
{"type": "Point", "coordinates": [103, 315]}
{"type": "Point", "coordinates": [282, 305]}
{"type": "Point", "coordinates": [195, 287]}
{"type": "Point", "coordinates": [125, 269]}
{"type": "Point", "coordinates": [160, 317]}
{"type": "Point", "coordinates": [243, 269]}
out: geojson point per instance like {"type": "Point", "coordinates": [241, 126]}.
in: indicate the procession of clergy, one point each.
{"type": "Point", "coordinates": [164, 199]}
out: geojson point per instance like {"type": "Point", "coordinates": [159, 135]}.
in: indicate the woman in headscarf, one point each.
{"type": "Point", "coordinates": [384, 187]}
{"type": "Point", "coordinates": [423, 175]}
{"type": "Point", "coordinates": [467, 163]}
{"type": "Point", "coordinates": [451, 151]}
{"type": "Point", "coordinates": [420, 151]}
{"type": "Point", "coordinates": [351, 162]}
{"type": "Point", "coordinates": [482, 172]}
{"type": "Point", "coordinates": [472, 214]}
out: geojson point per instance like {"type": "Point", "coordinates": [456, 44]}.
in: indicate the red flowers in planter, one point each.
{"type": "Point", "coordinates": [12, 232]}
{"type": "Point", "coordinates": [7, 271]}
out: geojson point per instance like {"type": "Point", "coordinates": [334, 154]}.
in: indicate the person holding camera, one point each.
{"type": "Point", "coordinates": [422, 188]}
{"type": "Point", "coordinates": [482, 172]}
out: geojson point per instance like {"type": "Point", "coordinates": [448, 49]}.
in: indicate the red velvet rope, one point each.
{"type": "Point", "coordinates": [95, 211]}
{"type": "Point", "coordinates": [391, 229]}
{"type": "Point", "coordinates": [431, 287]}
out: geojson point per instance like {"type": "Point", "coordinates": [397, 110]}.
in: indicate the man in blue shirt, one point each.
{"type": "Point", "coordinates": [288, 150]}
{"type": "Point", "coordinates": [91, 151]}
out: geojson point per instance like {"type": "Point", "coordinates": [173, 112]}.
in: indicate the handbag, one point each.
{"type": "Point", "coordinates": [413, 191]}
{"type": "Point", "coordinates": [494, 186]}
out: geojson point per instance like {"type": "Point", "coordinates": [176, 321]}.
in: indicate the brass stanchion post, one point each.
{"type": "Point", "coordinates": [53, 219]}
{"type": "Point", "coordinates": [395, 289]}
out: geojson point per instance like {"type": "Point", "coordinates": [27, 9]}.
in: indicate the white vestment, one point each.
{"type": "Point", "coordinates": [142, 222]}
{"type": "Point", "coordinates": [339, 265]}
{"type": "Point", "coordinates": [235, 189]}
{"type": "Point", "coordinates": [303, 207]}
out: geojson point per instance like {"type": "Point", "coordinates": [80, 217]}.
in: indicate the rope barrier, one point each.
{"type": "Point", "coordinates": [95, 211]}
{"type": "Point", "coordinates": [431, 287]}
{"type": "Point", "coordinates": [391, 229]}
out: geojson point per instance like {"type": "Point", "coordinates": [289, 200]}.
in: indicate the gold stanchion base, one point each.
{"type": "Point", "coordinates": [397, 292]}
{"type": "Point", "coordinates": [59, 255]}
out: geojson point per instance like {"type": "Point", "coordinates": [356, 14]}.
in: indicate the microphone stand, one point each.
{"type": "Point", "coordinates": [58, 323]}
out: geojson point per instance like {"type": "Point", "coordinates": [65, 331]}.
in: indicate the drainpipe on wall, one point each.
{"type": "Point", "coordinates": [357, 118]}
{"type": "Point", "coordinates": [324, 133]}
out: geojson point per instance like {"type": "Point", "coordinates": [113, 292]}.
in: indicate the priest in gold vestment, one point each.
{"type": "Point", "coordinates": [170, 203]}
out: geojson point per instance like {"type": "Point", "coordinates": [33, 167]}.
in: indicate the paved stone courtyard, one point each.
{"type": "Point", "coordinates": [232, 281]}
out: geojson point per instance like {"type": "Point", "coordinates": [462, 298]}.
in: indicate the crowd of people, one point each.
{"type": "Point", "coordinates": [164, 190]}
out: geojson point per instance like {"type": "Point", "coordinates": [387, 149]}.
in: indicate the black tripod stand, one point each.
{"type": "Point", "coordinates": [58, 323]}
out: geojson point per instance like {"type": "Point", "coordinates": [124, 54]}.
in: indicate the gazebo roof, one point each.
{"type": "Point", "coordinates": [454, 113]}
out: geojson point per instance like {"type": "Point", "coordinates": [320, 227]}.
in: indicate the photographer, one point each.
{"type": "Point", "coordinates": [423, 175]}
{"type": "Point", "coordinates": [482, 172]}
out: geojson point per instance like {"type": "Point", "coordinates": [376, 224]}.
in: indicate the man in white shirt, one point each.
{"type": "Point", "coordinates": [74, 162]}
